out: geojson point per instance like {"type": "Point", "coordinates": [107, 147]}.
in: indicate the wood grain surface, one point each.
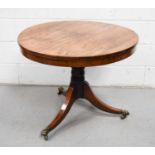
{"type": "Point", "coordinates": [77, 43]}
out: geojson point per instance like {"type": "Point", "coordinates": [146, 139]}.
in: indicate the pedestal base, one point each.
{"type": "Point", "coordinates": [79, 88]}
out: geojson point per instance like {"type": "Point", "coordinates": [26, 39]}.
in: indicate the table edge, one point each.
{"type": "Point", "coordinates": [78, 61]}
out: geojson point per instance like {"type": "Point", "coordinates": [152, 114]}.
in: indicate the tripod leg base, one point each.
{"type": "Point", "coordinates": [79, 88]}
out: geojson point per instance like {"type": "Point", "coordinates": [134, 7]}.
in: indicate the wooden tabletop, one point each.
{"type": "Point", "coordinates": [77, 43]}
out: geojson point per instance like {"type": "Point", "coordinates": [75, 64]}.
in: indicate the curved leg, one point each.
{"type": "Point", "coordinates": [89, 95]}
{"type": "Point", "coordinates": [69, 99]}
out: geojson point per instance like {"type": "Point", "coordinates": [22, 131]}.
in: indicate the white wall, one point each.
{"type": "Point", "coordinates": [138, 70]}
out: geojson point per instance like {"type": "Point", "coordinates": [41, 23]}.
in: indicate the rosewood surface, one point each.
{"type": "Point", "coordinates": [77, 43]}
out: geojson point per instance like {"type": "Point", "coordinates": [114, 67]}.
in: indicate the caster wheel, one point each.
{"type": "Point", "coordinates": [44, 133]}
{"type": "Point", "coordinates": [60, 90]}
{"type": "Point", "coordinates": [124, 114]}
{"type": "Point", "coordinates": [46, 137]}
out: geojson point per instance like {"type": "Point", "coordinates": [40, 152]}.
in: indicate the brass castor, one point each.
{"type": "Point", "coordinates": [61, 91]}
{"type": "Point", "coordinates": [124, 114]}
{"type": "Point", "coordinates": [44, 133]}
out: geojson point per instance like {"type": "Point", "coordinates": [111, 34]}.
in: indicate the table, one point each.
{"type": "Point", "coordinates": [77, 44]}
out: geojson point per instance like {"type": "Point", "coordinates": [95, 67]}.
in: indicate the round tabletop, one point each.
{"type": "Point", "coordinates": [77, 43]}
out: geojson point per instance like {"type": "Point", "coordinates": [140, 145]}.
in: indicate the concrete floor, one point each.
{"type": "Point", "coordinates": [26, 110]}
